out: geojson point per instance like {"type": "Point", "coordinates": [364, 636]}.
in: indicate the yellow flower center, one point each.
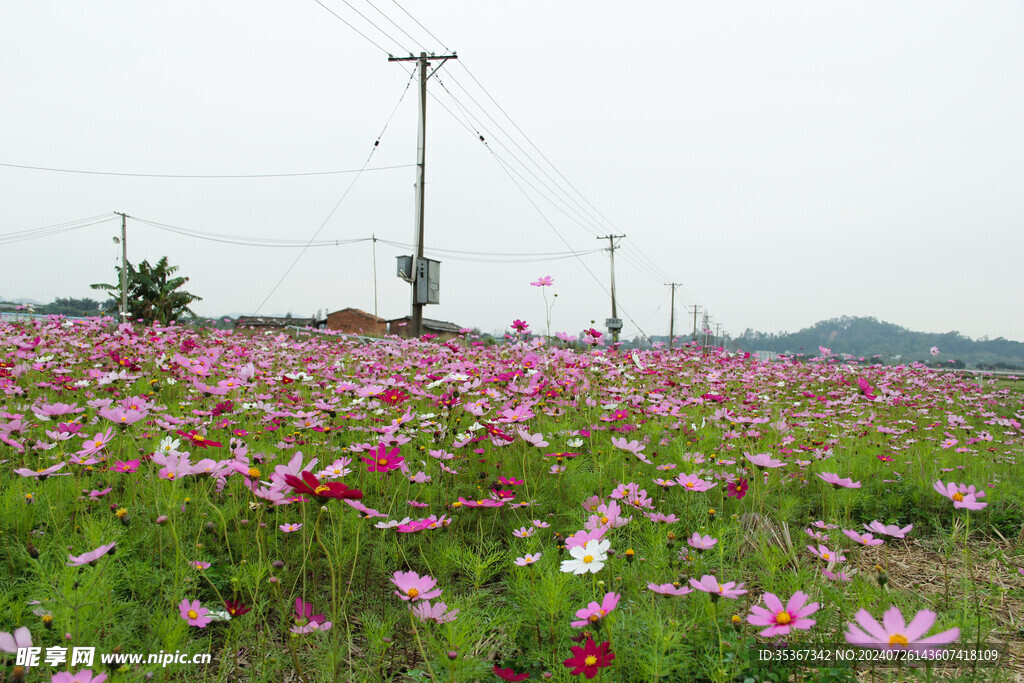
{"type": "Point", "coordinates": [594, 618]}
{"type": "Point", "coordinates": [824, 556]}
{"type": "Point", "coordinates": [197, 438]}
{"type": "Point", "coordinates": [412, 592]}
{"type": "Point", "coordinates": [479, 502]}
{"type": "Point", "coordinates": [588, 559]}
{"type": "Point", "coordinates": [97, 444]}
{"type": "Point", "coordinates": [320, 489]}
{"type": "Point", "coordinates": [721, 588]}
{"type": "Point", "coordinates": [192, 614]}
{"type": "Point", "coordinates": [958, 496]}
{"type": "Point", "coordinates": [689, 484]}
{"type": "Point", "coordinates": [898, 639]}
{"type": "Point", "coordinates": [382, 461]}
{"type": "Point", "coordinates": [170, 475]}
{"type": "Point", "coordinates": [604, 520]}
{"type": "Point", "coordinates": [591, 660]}
{"type": "Point", "coordinates": [254, 473]}
{"type": "Point", "coordinates": [783, 618]}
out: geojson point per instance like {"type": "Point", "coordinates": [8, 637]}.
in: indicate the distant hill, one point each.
{"type": "Point", "coordinates": [868, 337]}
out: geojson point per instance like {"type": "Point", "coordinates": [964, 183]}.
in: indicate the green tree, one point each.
{"type": "Point", "coordinates": [153, 294]}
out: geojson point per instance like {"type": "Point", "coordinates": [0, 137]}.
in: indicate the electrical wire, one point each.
{"type": "Point", "coordinates": [421, 26]}
{"type": "Point", "coordinates": [201, 176]}
{"type": "Point", "coordinates": [342, 20]}
{"type": "Point", "coordinates": [366, 163]}
{"type": "Point", "coordinates": [51, 230]}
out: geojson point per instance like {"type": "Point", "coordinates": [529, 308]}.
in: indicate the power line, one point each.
{"type": "Point", "coordinates": [370, 22]}
{"type": "Point", "coordinates": [51, 230]}
{"type": "Point", "coordinates": [421, 26]}
{"type": "Point", "coordinates": [201, 176]}
{"type": "Point", "coordinates": [342, 20]}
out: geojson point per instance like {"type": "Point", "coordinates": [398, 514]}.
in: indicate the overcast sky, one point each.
{"type": "Point", "coordinates": [786, 162]}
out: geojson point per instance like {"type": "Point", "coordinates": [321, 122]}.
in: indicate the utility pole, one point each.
{"type": "Point", "coordinates": [614, 324]}
{"type": "Point", "coordinates": [375, 277]}
{"type": "Point", "coordinates": [124, 267]}
{"type": "Point", "coordinates": [695, 309]}
{"type": "Point", "coordinates": [672, 314]}
{"type": "Point", "coordinates": [416, 320]}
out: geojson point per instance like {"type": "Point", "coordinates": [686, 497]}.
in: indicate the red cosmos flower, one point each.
{"type": "Point", "coordinates": [509, 674]}
{"type": "Point", "coordinates": [310, 485]}
{"type": "Point", "coordinates": [236, 608]}
{"type": "Point", "coordinates": [198, 440]}
{"type": "Point", "coordinates": [588, 659]}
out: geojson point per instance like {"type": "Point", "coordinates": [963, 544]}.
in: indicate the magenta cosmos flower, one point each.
{"type": "Point", "coordinates": [844, 483]}
{"type": "Point", "coordinates": [519, 326]}
{"type": "Point", "coordinates": [593, 613]}
{"type": "Point", "coordinates": [411, 586]}
{"type": "Point", "coordinates": [963, 497]}
{"type": "Point", "coordinates": [194, 613]}
{"type": "Point", "coordinates": [780, 619]}
{"type": "Point", "coordinates": [710, 585]}
{"type": "Point", "coordinates": [383, 460]}
{"type": "Point", "coordinates": [545, 281]}
{"type": "Point", "coordinates": [589, 658]}
{"type": "Point", "coordinates": [92, 556]}
{"type": "Point", "coordinates": [737, 489]}
{"type": "Point", "coordinates": [894, 633]}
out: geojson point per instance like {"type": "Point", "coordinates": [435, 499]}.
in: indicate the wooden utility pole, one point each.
{"type": "Point", "coordinates": [672, 313]}
{"type": "Point", "coordinates": [612, 246]}
{"type": "Point", "coordinates": [124, 267]}
{"type": "Point", "coordinates": [416, 320]}
{"type": "Point", "coordinates": [695, 309]}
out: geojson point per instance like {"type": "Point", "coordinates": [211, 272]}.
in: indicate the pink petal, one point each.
{"type": "Point", "coordinates": [919, 625]}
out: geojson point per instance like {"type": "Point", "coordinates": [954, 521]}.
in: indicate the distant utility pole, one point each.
{"type": "Point", "coordinates": [672, 313]}
{"type": "Point", "coordinates": [695, 309]}
{"type": "Point", "coordinates": [375, 276]}
{"type": "Point", "coordinates": [124, 266]}
{"type": "Point", "coordinates": [416, 321]}
{"type": "Point", "coordinates": [613, 323]}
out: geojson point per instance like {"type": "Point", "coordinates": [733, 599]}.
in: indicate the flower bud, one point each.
{"type": "Point", "coordinates": [162, 519]}
{"type": "Point", "coordinates": [277, 564]}
{"type": "Point", "coordinates": [453, 654]}
{"type": "Point", "coordinates": [33, 551]}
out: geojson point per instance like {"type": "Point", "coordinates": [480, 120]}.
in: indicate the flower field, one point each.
{"type": "Point", "coordinates": [312, 507]}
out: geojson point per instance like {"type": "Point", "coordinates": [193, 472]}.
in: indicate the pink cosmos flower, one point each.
{"type": "Point", "coordinates": [846, 483]}
{"type": "Point", "coordinates": [888, 529]}
{"type": "Point", "coordinates": [709, 584]}
{"type": "Point", "coordinates": [11, 642]}
{"type": "Point", "coordinates": [126, 466]}
{"type": "Point", "coordinates": [527, 559]}
{"type": "Point", "coordinates": [289, 528]}
{"type": "Point", "coordinates": [92, 556]}
{"type": "Point", "coordinates": [837, 576]}
{"type": "Point", "coordinates": [934, 350]}
{"type": "Point", "coordinates": [669, 589]}
{"type": "Point", "coordinates": [519, 326]}
{"type": "Point", "coordinates": [781, 620]}
{"type": "Point", "coordinates": [763, 460]}
{"type": "Point", "coordinates": [691, 482]}
{"type": "Point", "coordinates": [545, 281]}
{"type": "Point", "coordinates": [411, 586]}
{"type": "Point", "coordinates": [437, 612]}
{"type": "Point", "coordinates": [894, 633]}
{"type": "Point", "coordinates": [593, 612]}
{"type": "Point", "coordinates": [701, 542]}
{"type": "Point", "coordinates": [963, 496]}
{"type": "Point", "coordinates": [194, 613]}
{"type": "Point", "coordinates": [41, 474]}
{"type": "Point", "coordinates": [828, 555]}
{"type": "Point", "coordinates": [83, 676]}
{"type": "Point", "coordinates": [862, 539]}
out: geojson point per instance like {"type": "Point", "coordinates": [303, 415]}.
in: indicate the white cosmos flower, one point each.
{"type": "Point", "coordinates": [587, 558]}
